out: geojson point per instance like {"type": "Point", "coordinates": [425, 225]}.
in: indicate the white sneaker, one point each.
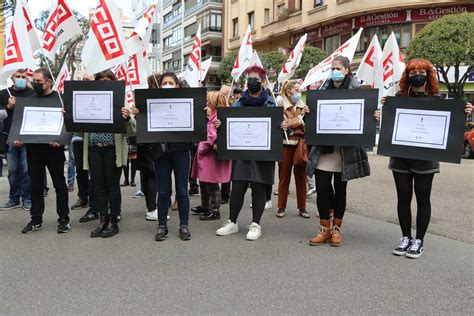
{"type": "Point", "coordinates": [268, 205]}
{"type": "Point", "coordinates": [152, 216]}
{"type": "Point", "coordinates": [255, 231]}
{"type": "Point", "coordinates": [311, 191]}
{"type": "Point", "coordinates": [227, 229]}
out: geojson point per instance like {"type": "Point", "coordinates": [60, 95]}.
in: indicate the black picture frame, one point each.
{"type": "Point", "coordinates": [366, 139]}
{"type": "Point", "coordinates": [21, 102]}
{"type": "Point", "coordinates": [118, 89]}
{"type": "Point", "coordinates": [200, 120]}
{"type": "Point", "coordinates": [276, 147]}
{"type": "Point", "coordinates": [451, 154]}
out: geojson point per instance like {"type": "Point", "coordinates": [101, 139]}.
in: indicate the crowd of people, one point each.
{"type": "Point", "coordinates": [99, 159]}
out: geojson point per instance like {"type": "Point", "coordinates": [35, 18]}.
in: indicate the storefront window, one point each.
{"type": "Point", "coordinates": [331, 44]}
{"type": "Point", "coordinates": [402, 34]}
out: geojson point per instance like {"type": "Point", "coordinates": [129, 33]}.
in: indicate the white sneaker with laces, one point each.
{"type": "Point", "coordinates": [311, 191]}
{"type": "Point", "coordinates": [268, 205]}
{"type": "Point", "coordinates": [255, 231]}
{"type": "Point", "coordinates": [152, 216]}
{"type": "Point", "coordinates": [227, 229]}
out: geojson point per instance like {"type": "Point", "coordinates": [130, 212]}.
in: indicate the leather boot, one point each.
{"type": "Point", "coordinates": [323, 235]}
{"type": "Point", "coordinates": [336, 237]}
{"type": "Point", "coordinates": [104, 222]}
{"type": "Point", "coordinates": [112, 229]}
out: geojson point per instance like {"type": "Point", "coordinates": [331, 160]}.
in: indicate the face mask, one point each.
{"type": "Point", "coordinates": [253, 85]}
{"type": "Point", "coordinates": [337, 75]}
{"type": "Point", "coordinates": [38, 87]}
{"type": "Point", "coordinates": [167, 86]}
{"type": "Point", "coordinates": [20, 83]}
{"type": "Point", "coordinates": [296, 97]}
{"type": "Point", "coordinates": [417, 81]}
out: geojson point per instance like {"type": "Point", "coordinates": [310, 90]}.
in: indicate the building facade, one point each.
{"type": "Point", "coordinates": [278, 24]}
{"type": "Point", "coordinates": [180, 22]}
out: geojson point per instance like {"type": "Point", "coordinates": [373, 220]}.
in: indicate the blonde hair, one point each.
{"type": "Point", "coordinates": [288, 84]}
{"type": "Point", "coordinates": [216, 100]}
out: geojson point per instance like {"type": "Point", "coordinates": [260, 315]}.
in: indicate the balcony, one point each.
{"type": "Point", "coordinates": [282, 25]}
{"type": "Point", "coordinates": [206, 33]}
{"type": "Point", "coordinates": [199, 6]}
{"type": "Point", "coordinates": [172, 21]}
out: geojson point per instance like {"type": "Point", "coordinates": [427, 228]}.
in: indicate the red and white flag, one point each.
{"type": "Point", "coordinates": [205, 65]}
{"type": "Point", "coordinates": [245, 55]}
{"type": "Point", "coordinates": [18, 52]}
{"type": "Point", "coordinates": [104, 47]}
{"type": "Point", "coordinates": [192, 74]}
{"type": "Point", "coordinates": [391, 68]}
{"type": "Point", "coordinates": [63, 75]}
{"type": "Point", "coordinates": [321, 71]}
{"type": "Point", "coordinates": [293, 61]}
{"type": "Point", "coordinates": [60, 27]}
{"type": "Point", "coordinates": [138, 71]}
{"type": "Point", "coordinates": [369, 66]}
{"type": "Point", "coordinates": [32, 32]}
{"type": "Point", "coordinates": [129, 97]}
{"type": "Point", "coordinates": [142, 31]}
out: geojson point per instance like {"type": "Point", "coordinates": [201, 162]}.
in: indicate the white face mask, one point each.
{"type": "Point", "coordinates": [167, 86]}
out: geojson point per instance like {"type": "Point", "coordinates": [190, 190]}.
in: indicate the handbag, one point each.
{"type": "Point", "coordinates": [300, 157]}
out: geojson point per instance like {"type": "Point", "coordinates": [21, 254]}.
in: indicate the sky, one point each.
{"type": "Point", "coordinates": [36, 6]}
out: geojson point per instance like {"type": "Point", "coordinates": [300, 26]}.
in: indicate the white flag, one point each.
{"type": "Point", "coordinates": [141, 34]}
{"type": "Point", "coordinates": [60, 27]}
{"type": "Point", "coordinates": [293, 61]}
{"type": "Point", "coordinates": [62, 76]}
{"type": "Point", "coordinates": [321, 72]}
{"type": "Point", "coordinates": [205, 65]}
{"type": "Point", "coordinates": [255, 61]}
{"type": "Point", "coordinates": [145, 22]}
{"type": "Point", "coordinates": [370, 62]}
{"type": "Point", "coordinates": [18, 52]}
{"type": "Point", "coordinates": [192, 74]}
{"type": "Point", "coordinates": [391, 68]}
{"type": "Point", "coordinates": [244, 56]}
{"type": "Point", "coordinates": [104, 46]}
{"type": "Point", "coordinates": [32, 32]}
{"type": "Point", "coordinates": [138, 71]}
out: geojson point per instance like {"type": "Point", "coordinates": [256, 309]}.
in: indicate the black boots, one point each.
{"type": "Point", "coordinates": [108, 227]}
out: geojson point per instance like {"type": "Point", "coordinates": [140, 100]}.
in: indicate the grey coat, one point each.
{"type": "Point", "coordinates": [355, 163]}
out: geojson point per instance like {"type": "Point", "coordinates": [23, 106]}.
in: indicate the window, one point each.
{"type": "Point", "coordinates": [318, 3]}
{"type": "Point", "coordinates": [235, 27]}
{"type": "Point", "coordinates": [402, 33]}
{"type": "Point", "coordinates": [173, 39]}
{"type": "Point", "coordinates": [211, 21]}
{"type": "Point", "coordinates": [173, 14]}
{"type": "Point", "coordinates": [331, 43]}
{"type": "Point", "coordinates": [266, 16]}
{"type": "Point", "coordinates": [251, 20]}
{"type": "Point", "coordinates": [190, 31]}
{"type": "Point", "coordinates": [281, 9]}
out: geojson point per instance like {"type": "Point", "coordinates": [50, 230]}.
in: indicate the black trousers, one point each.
{"type": "Point", "coordinates": [131, 166]}
{"type": "Point", "coordinates": [149, 189]}
{"type": "Point", "coordinates": [225, 191]}
{"type": "Point", "coordinates": [40, 157]}
{"type": "Point", "coordinates": [82, 175]}
{"type": "Point", "coordinates": [239, 188]}
{"type": "Point", "coordinates": [327, 197]}
{"type": "Point", "coordinates": [210, 195]}
{"type": "Point", "coordinates": [106, 177]}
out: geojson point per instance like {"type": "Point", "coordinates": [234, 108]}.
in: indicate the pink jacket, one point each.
{"type": "Point", "coordinates": [206, 167]}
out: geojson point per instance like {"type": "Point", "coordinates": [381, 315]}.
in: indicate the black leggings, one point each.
{"type": "Point", "coordinates": [149, 188]}
{"type": "Point", "coordinates": [237, 196]}
{"type": "Point", "coordinates": [422, 184]}
{"type": "Point", "coordinates": [133, 164]}
{"type": "Point", "coordinates": [329, 198]}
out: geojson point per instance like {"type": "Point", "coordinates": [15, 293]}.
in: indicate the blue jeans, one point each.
{"type": "Point", "coordinates": [179, 163]}
{"type": "Point", "coordinates": [71, 167]}
{"type": "Point", "coordinates": [20, 183]}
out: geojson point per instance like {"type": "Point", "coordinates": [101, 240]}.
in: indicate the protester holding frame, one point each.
{"type": "Point", "coordinates": [294, 149]}
{"type": "Point", "coordinates": [257, 174]}
{"type": "Point", "coordinates": [104, 155]}
{"type": "Point", "coordinates": [419, 81]}
{"type": "Point", "coordinates": [342, 163]}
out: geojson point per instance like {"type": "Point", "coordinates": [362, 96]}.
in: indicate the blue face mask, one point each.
{"type": "Point", "coordinates": [296, 97]}
{"type": "Point", "coordinates": [337, 75]}
{"type": "Point", "coordinates": [20, 83]}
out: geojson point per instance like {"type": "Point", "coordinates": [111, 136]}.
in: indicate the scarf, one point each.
{"type": "Point", "coordinates": [247, 100]}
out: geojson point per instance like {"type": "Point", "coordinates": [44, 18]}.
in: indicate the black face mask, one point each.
{"type": "Point", "coordinates": [253, 85]}
{"type": "Point", "coordinates": [417, 81]}
{"type": "Point", "coordinates": [38, 87]}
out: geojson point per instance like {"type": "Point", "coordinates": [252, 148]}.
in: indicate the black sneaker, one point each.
{"type": "Point", "coordinates": [210, 215]}
{"type": "Point", "coordinates": [402, 249]}
{"type": "Point", "coordinates": [63, 228]}
{"type": "Point", "coordinates": [184, 233]}
{"type": "Point", "coordinates": [194, 191]}
{"type": "Point", "coordinates": [416, 249]}
{"type": "Point", "coordinates": [88, 216]}
{"type": "Point", "coordinates": [161, 233]}
{"type": "Point", "coordinates": [198, 210]}
{"type": "Point", "coordinates": [31, 227]}
{"type": "Point", "coordinates": [10, 205]}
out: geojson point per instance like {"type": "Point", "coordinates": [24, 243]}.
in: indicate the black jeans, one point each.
{"type": "Point", "coordinates": [149, 189]}
{"type": "Point", "coordinates": [237, 199]}
{"type": "Point", "coordinates": [84, 182]}
{"type": "Point", "coordinates": [40, 157]}
{"type": "Point", "coordinates": [405, 183]}
{"type": "Point", "coordinates": [131, 164]}
{"type": "Point", "coordinates": [326, 197]}
{"type": "Point", "coordinates": [106, 178]}
{"type": "Point", "coordinates": [210, 195]}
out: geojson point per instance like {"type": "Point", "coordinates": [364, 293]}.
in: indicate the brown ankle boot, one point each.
{"type": "Point", "coordinates": [336, 237]}
{"type": "Point", "coordinates": [323, 235]}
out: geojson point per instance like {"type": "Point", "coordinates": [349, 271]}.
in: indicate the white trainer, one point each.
{"type": "Point", "coordinates": [152, 216]}
{"type": "Point", "coordinates": [255, 231]}
{"type": "Point", "coordinates": [227, 229]}
{"type": "Point", "coordinates": [268, 205]}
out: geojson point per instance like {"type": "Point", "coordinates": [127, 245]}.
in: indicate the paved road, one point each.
{"type": "Point", "coordinates": [47, 273]}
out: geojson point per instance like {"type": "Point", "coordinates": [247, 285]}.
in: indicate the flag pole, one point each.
{"type": "Point", "coordinates": [8, 90]}
{"type": "Point", "coordinates": [231, 85]}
